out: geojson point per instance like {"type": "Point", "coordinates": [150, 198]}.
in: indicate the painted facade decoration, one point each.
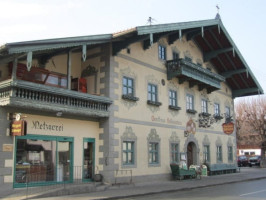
{"type": "Point", "coordinates": [141, 98]}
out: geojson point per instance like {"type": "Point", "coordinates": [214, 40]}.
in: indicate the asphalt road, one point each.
{"type": "Point", "coordinates": [250, 190]}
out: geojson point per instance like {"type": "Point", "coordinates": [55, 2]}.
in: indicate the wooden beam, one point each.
{"type": "Point", "coordinates": [228, 74]}
{"type": "Point", "coordinates": [212, 54]}
{"type": "Point", "coordinates": [156, 37]}
{"type": "Point", "coordinates": [119, 45]}
{"type": "Point", "coordinates": [244, 92]}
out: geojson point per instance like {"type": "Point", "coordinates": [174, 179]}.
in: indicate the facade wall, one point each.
{"type": "Point", "coordinates": [141, 120]}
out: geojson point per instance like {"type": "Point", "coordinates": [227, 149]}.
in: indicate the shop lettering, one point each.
{"type": "Point", "coordinates": [168, 120]}
{"type": "Point", "coordinates": [47, 127]}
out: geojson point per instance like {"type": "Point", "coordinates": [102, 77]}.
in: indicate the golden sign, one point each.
{"type": "Point", "coordinates": [18, 128]}
{"type": "Point", "coordinates": [228, 128]}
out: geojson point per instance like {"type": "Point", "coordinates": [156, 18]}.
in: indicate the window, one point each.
{"type": "Point", "coordinates": [190, 102]}
{"type": "Point", "coordinates": [172, 98]}
{"type": "Point", "coordinates": [128, 86]}
{"type": "Point", "coordinates": [204, 107]}
{"type": "Point", "coordinates": [152, 93]}
{"type": "Point", "coordinates": [153, 153]}
{"type": "Point", "coordinates": [227, 111]}
{"type": "Point", "coordinates": [162, 52]}
{"type": "Point", "coordinates": [206, 153]}
{"type": "Point", "coordinates": [128, 153]}
{"type": "Point", "coordinates": [175, 56]}
{"type": "Point", "coordinates": [217, 109]}
{"type": "Point", "coordinates": [174, 153]}
{"type": "Point", "coordinates": [230, 153]}
{"type": "Point", "coordinates": [219, 154]}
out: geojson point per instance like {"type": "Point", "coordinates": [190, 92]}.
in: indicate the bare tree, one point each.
{"type": "Point", "coordinates": [251, 123]}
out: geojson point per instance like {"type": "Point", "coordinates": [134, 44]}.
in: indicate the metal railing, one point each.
{"type": "Point", "coordinates": [123, 176]}
{"type": "Point", "coordinates": [61, 178]}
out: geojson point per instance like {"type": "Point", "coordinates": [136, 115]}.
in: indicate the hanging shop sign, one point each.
{"type": "Point", "coordinates": [18, 127]}
{"type": "Point", "coordinates": [228, 128]}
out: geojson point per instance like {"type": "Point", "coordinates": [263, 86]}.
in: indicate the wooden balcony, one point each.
{"type": "Point", "coordinates": [33, 96]}
{"type": "Point", "coordinates": [196, 75]}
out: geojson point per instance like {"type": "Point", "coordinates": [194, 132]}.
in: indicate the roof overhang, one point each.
{"type": "Point", "coordinates": [217, 47]}
{"type": "Point", "coordinates": [211, 37]}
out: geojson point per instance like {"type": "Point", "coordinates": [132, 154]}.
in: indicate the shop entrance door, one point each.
{"type": "Point", "coordinates": [63, 161]}
{"type": "Point", "coordinates": [88, 158]}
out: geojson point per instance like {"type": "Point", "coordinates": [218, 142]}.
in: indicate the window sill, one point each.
{"type": "Point", "coordinates": [191, 111]}
{"type": "Point", "coordinates": [204, 114]}
{"type": "Point", "coordinates": [129, 97]}
{"type": "Point", "coordinates": [154, 165]}
{"type": "Point", "coordinates": [218, 117]}
{"type": "Point", "coordinates": [174, 108]}
{"type": "Point", "coordinates": [154, 103]}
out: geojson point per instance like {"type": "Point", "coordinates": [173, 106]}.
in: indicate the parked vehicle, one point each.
{"type": "Point", "coordinates": [242, 161]}
{"type": "Point", "coordinates": [254, 161]}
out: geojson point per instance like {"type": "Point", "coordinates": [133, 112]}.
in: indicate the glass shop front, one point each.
{"type": "Point", "coordinates": [43, 159]}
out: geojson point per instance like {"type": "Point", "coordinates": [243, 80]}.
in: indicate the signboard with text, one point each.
{"type": "Point", "coordinates": [18, 128]}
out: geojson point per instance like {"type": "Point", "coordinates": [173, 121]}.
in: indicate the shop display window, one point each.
{"type": "Point", "coordinates": [42, 160]}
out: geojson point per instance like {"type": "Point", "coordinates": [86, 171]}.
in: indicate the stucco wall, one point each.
{"type": "Point", "coordinates": [146, 67]}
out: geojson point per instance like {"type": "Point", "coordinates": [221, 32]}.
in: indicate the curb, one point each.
{"type": "Point", "coordinates": [179, 189]}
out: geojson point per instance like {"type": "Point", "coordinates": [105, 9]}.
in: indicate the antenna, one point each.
{"type": "Point", "coordinates": [150, 21]}
{"type": "Point", "coordinates": [218, 15]}
{"type": "Point", "coordinates": [218, 8]}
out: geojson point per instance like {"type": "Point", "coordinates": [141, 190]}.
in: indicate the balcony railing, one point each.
{"type": "Point", "coordinates": [196, 75]}
{"type": "Point", "coordinates": [28, 95]}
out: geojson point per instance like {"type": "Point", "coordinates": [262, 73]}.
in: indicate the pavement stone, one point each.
{"type": "Point", "coordinates": [140, 189]}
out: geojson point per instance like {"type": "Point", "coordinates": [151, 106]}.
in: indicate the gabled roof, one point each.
{"type": "Point", "coordinates": [211, 37]}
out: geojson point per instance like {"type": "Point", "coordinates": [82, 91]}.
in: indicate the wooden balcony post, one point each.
{"type": "Point", "coordinates": [14, 69]}
{"type": "Point", "coordinates": [69, 70]}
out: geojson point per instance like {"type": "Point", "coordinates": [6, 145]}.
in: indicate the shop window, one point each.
{"type": "Point", "coordinates": [43, 159]}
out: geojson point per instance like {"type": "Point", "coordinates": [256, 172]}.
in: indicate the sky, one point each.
{"type": "Point", "coordinates": [244, 20]}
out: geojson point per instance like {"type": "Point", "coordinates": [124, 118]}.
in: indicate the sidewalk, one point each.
{"type": "Point", "coordinates": [139, 189]}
